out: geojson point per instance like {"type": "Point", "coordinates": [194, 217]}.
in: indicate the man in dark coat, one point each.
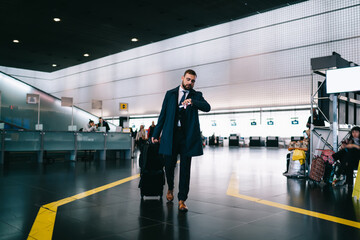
{"type": "Point", "coordinates": [103, 123]}
{"type": "Point", "coordinates": [180, 127]}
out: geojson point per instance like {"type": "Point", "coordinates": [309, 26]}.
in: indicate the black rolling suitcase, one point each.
{"type": "Point", "coordinates": [152, 178]}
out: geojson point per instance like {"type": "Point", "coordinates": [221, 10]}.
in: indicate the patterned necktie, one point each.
{"type": "Point", "coordinates": [182, 98]}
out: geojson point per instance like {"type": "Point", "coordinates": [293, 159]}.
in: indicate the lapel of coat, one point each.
{"type": "Point", "coordinates": [191, 93]}
{"type": "Point", "coordinates": [175, 95]}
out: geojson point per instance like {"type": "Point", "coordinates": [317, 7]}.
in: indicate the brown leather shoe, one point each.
{"type": "Point", "coordinates": [170, 195]}
{"type": "Point", "coordinates": [182, 206]}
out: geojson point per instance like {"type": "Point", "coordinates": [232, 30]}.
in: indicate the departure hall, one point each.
{"type": "Point", "coordinates": [213, 120]}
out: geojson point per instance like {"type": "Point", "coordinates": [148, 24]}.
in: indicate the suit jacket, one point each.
{"type": "Point", "coordinates": [167, 118]}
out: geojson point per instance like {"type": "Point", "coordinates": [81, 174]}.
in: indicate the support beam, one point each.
{"type": "Point", "coordinates": [335, 126]}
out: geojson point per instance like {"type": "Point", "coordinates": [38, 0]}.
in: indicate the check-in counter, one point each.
{"type": "Point", "coordinates": [49, 141]}
{"type": "Point", "coordinates": [234, 140]}
{"type": "Point", "coordinates": [272, 141]}
{"type": "Point", "coordinates": [255, 142]}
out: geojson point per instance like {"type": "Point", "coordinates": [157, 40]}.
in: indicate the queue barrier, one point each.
{"type": "Point", "coordinates": [41, 141]}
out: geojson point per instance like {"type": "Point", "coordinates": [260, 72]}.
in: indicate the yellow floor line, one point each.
{"type": "Point", "coordinates": [43, 226]}
{"type": "Point", "coordinates": [233, 190]}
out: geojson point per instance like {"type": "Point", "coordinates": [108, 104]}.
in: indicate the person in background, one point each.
{"type": "Point", "coordinates": [180, 127]}
{"type": "Point", "coordinates": [141, 137]}
{"type": "Point", "coordinates": [90, 127]}
{"type": "Point", "coordinates": [317, 120]}
{"type": "Point", "coordinates": [151, 130]}
{"type": "Point", "coordinates": [348, 156]}
{"type": "Point", "coordinates": [103, 123]}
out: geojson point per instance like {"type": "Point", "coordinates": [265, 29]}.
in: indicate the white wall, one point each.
{"type": "Point", "coordinates": [259, 61]}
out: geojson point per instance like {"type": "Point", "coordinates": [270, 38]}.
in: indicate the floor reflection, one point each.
{"type": "Point", "coordinates": [322, 198]}
{"type": "Point", "coordinates": [172, 223]}
{"type": "Point", "coordinates": [119, 212]}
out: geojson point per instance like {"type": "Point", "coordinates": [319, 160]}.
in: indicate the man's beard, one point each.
{"type": "Point", "coordinates": [186, 87]}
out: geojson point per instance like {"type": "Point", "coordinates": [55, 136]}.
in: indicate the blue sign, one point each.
{"type": "Point", "coordinates": [270, 123]}
{"type": "Point", "coordinates": [294, 122]}
{"type": "Point", "coordinates": [253, 123]}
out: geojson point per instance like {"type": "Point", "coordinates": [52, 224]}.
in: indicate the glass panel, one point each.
{"type": "Point", "coordinates": [15, 111]}
{"type": "Point", "coordinates": [59, 141]}
{"type": "Point", "coordinates": [22, 141]}
{"type": "Point", "coordinates": [118, 141]}
{"type": "Point", "coordinates": [90, 141]}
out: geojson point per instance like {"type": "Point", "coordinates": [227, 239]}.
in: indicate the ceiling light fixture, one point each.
{"type": "Point", "coordinates": [86, 55]}
{"type": "Point", "coordinates": [16, 41]}
{"type": "Point", "coordinates": [57, 19]}
{"type": "Point", "coordinates": [134, 39]}
{"type": "Point", "coordinates": [54, 65]}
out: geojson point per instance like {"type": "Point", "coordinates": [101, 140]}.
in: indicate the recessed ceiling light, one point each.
{"type": "Point", "coordinates": [57, 19]}
{"type": "Point", "coordinates": [86, 55]}
{"type": "Point", "coordinates": [54, 65]}
{"type": "Point", "coordinates": [16, 41]}
{"type": "Point", "coordinates": [134, 39]}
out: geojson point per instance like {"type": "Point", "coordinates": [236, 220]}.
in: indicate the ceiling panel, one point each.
{"type": "Point", "coordinates": [102, 28]}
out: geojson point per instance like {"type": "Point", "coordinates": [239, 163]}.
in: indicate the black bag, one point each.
{"type": "Point", "coordinates": [329, 173]}
{"type": "Point", "coordinates": [152, 177]}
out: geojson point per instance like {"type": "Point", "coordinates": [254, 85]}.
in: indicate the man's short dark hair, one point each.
{"type": "Point", "coordinates": [191, 72]}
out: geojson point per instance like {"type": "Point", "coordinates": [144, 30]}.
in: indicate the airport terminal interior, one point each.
{"type": "Point", "coordinates": [85, 86]}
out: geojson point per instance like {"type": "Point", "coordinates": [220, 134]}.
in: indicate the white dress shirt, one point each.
{"type": "Point", "coordinates": [181, 93]}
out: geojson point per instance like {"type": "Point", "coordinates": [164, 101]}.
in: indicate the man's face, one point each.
{"type": "Point", "coordinates": [188, 81]}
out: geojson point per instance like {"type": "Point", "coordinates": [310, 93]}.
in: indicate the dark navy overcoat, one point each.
{"type": "Point", "coordinates": [166, 122]}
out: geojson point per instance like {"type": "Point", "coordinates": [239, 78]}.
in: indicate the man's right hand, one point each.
{"type": "Point", "coordinates": [154, 140]}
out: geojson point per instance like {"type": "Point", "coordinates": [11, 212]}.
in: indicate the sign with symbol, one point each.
{"type": "Point", "coordinates": [253, 122]}
{"type": "Point", "coordinates": [270, 123]}
{"type": "Point", "coordinates": [294, 121]}
{"type": "Point", "coordinates": [32, 98]}
{"type": "Point", "coordinates": [123, 106]}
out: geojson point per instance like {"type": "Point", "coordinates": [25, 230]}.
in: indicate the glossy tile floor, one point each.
{"type": "Point", "coordinates": [119, 213]}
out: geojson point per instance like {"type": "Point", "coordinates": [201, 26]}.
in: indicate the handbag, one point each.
{"type": "Point", "coordinates": [327, 155]}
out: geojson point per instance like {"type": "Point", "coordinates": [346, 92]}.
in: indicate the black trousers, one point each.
{"type": "Point", "coordinates": [349, 158]}
{"type": "Point", "coordinates": [185, 165]}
